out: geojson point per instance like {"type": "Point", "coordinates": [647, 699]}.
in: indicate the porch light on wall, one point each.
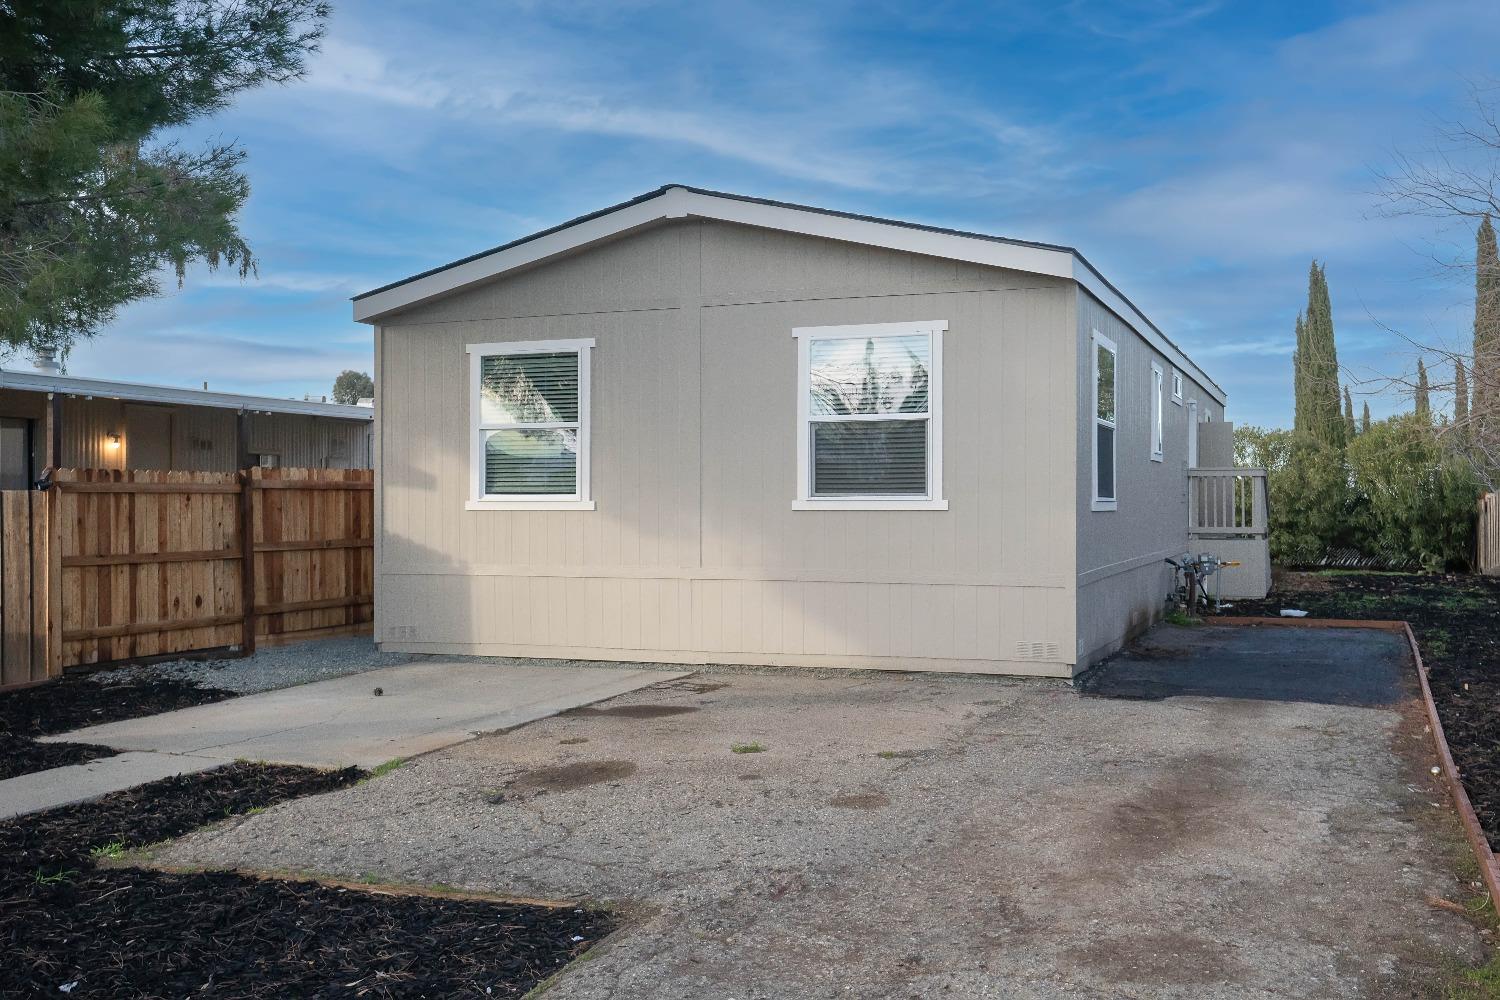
{"type": "Point", "coordinates": [114, 442]}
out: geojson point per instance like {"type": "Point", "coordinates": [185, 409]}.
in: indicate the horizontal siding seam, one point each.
{"type": "Point", "coordinates": [710, 303]}
{"type": "Point", "coordinates": [1036, 668]}
{"type": "Point", "coordinates": [1018, 582]}
{"type": "Point", "coordinates": [394, 326]}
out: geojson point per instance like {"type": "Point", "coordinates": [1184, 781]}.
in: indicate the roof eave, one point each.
{"type": "Point", "coordinates": [73, 385]}
{"type": "Point", "coordinates": [674, 202]}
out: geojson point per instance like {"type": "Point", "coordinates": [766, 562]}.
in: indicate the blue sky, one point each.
{"type": "Point", "coordinates": [1199, 153]}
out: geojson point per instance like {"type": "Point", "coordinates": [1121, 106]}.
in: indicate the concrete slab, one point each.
{"type": "Point", "coordinates": [423, 706]}
{"type": "Point", "coordinates": [62, 786]}
{"type": "Point", "coordinates": [1324, 666]}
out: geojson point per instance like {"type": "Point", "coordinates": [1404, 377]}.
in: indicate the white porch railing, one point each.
{"type": "Point", "coordinates": [1227, 503]}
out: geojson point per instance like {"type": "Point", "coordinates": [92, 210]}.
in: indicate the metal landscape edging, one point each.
{"type": "Point", "coordinates": [1489, 868]}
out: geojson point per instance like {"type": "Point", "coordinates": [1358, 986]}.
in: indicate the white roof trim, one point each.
{"type": "Point", "coordinates": [71, 385]}
{"type": "Point", "coordinates": [679, 202]}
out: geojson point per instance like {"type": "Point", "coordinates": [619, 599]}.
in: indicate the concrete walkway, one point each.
{"type": "Point", "coordinates": [63, 786]}
{"type": "Point", "coordinates": [421, 707]}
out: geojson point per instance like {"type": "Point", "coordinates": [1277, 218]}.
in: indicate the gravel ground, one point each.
{"type": "Point", "coordinates": [270, 668]}
{"type": "Point", "coordinates": [771, 835]}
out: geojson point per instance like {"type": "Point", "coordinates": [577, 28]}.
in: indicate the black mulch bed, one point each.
{"type": "Point", "coordinates": [1456, 620]}
{"type": "Point", "coordinates": [76, 701]}
{"type": "Point", "coordinates": [68, 928]}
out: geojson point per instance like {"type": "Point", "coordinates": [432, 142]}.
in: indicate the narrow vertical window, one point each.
{"type": "Point", "coordinates": [1177, 387]}
{"type": "Point", "coordinates": [529, 419]}
{"type": "Point", "coordinates": [870, 403]}
{"type": "Point", "coordinates": [1104, 403]}
{"type": "Point", "coordinates": [1192, 428]}
{"type": "Point", "coordinates": [1158, 412]}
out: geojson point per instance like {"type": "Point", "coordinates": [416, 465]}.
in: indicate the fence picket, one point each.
{"type": "Point", "coordinates": [112, 566]}
{"type": "Point", "coordinates": [1487, 537]}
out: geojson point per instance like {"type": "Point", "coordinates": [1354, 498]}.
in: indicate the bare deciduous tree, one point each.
{"type": "Point", "coordinates": [1455, 179]}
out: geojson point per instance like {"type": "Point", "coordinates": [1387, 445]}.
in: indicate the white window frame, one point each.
{"type": "Point", "coordinates": [804, 336]}
{"type": "Point", "coordinates": [1177, 386]}
{"type": "Point", "coordinates": [1158, 412]}
{"type": "Point", "coordinates": [582, 497]}
{"type": "Point", "coordinates": [1097, 341]}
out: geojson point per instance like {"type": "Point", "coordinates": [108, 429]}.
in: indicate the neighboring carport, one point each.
{"type": "Point", "coordinates": [772, 833]}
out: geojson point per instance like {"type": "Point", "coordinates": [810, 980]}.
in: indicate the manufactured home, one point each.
{"type": "Point", "coordinates": [703, 428]}
{"type": "Point", "coordinates": [52, 420]}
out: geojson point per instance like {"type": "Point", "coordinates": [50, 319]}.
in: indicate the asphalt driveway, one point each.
{"type": "Point", "coordinates": [920, 836]}
{"type": "Point", "coordinates": [1330, 666]}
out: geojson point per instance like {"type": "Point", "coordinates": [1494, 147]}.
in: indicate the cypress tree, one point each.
{"type": "Point", "coordinates": [1485, 366]}
{"type": "Point", "coordinates": [1423, 394]}
{"type": "Point", "coordinates": [1299, 378]}
{"type": "Point", "coordinates": [1319, 365]}
{"type": "Point", "coordinates": [1460, 393]}
{"type": "Point", "coordinates": [1364, 420]}
{"type": "Point", "coordinates": [1348, 415]}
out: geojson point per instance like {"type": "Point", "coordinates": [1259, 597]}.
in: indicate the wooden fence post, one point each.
{"type": "Point", "coordinates": [247, 561]}
{"type": "Point", "coordinates": [53, 557]}
{"type": "Point", "coordinates": [247, 532]}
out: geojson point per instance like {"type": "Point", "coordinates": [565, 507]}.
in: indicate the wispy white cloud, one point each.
{"type": "Point", "coordinates": [1135, 20]}
{"type": "Point", "coordinates": [1200, 152]}
{"type": "Point", "coordinates": [1279, 347]}
{"type": "Point", "coordinates": [271, 279]}
{"type": "Point", "coordinates": [842, 138]}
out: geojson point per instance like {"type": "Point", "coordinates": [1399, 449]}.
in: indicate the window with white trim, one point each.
{"type": "Point", "coordinates": [1104, 405]}
{"type": "Point", "coordinates": [869, 417]}
{"type": "Point", "coordinates": [529, 425]}
{"type": "Point", "coordinates": [1177, 387]}
{"type": "Point", "coordinates": [1158, 412]}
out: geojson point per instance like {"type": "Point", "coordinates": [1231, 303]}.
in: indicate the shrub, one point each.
{"type": "Point", "coordinates": [1311, 506]}
{"type": "Point", "coordinates": [1395, 494]}
{"type": "Point", "coordinates": [1415, 499]}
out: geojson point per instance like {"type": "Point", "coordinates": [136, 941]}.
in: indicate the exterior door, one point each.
{"type": "Point", "coordinates": [1192, 430]}
{"type": "Point", "coordinates": [15, 453]}
{"type": "Point", "coordinates": [148, 437]}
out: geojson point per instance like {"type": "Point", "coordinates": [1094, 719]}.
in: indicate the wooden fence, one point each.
{"type": "Point", "coordinates": [24, 584]}
{"type": "Point", "coordinates": [133, 564]}
{"type": "Point", "coordinates": [1487, 538]}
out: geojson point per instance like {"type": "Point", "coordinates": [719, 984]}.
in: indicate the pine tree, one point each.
{"type": "Point", "coordinates": [1364, 420]}
{"type": "Point", "coordinates": [1423, 394]}
{"type": "Point", "coordinates": [1460, 393]}
{"type": "Point", "coordinates": [1348, 415]}
{"type": "Point", "coordinates": [97, 200]}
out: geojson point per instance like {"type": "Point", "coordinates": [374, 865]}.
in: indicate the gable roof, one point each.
{"type": "Point", "coordinates": [677, 201]}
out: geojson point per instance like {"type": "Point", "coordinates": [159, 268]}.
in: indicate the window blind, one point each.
{"type": "Point", "coordinates": [529, 388]}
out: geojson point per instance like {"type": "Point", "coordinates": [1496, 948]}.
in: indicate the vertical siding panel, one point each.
{"type": "Point", "coordinates": [694, 457]}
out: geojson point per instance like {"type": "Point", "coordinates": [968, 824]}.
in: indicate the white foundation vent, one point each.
{"type": "Point", "coordinates": [1036, 650]}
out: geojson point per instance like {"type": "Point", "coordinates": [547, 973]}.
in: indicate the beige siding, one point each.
{"type": "Point", "coordinates": [1122, 580]}
{"type": "Point", "coordinates": [694, 553]}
